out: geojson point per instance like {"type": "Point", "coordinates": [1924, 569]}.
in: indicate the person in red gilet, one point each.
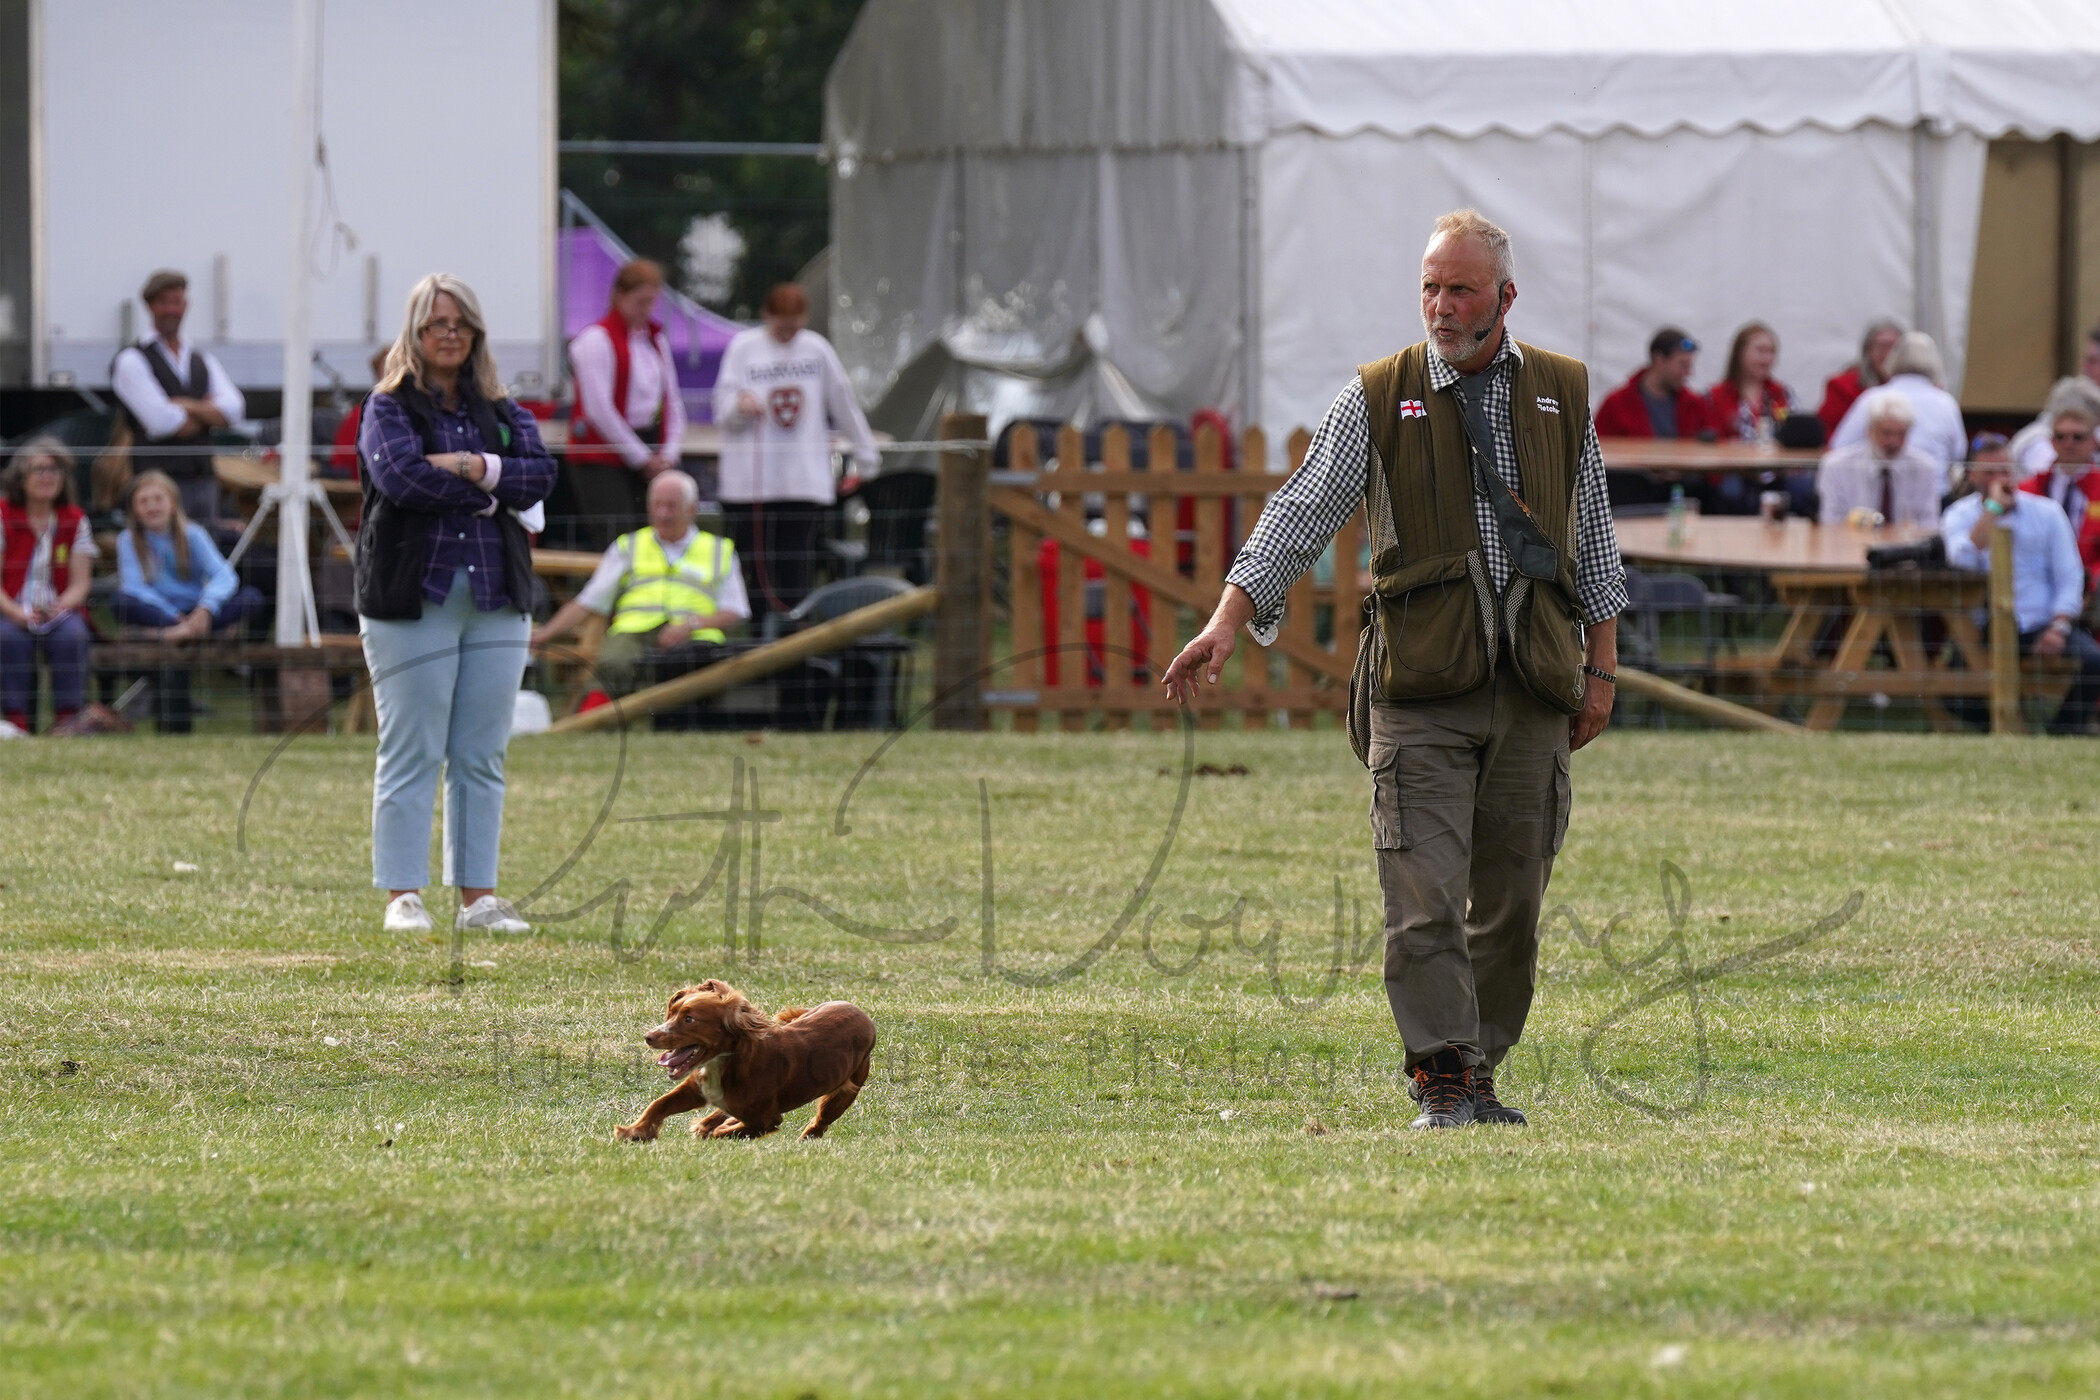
{"type": "Point", "coordinates": [629, 417]}
{"type": "Point", "coordinates": [46, 563]}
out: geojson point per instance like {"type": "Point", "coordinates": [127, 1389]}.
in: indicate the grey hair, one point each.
{"type": "Point", "coordinates": [1917, 354]}
{"type": "Point", "coordinates": [1867, 374]}
{"type": "Point", "coordinates": [405, 362]}
{"type": "Point", "coordinates": [14, 481]}
{"type": "Point", "coordinates": [1890, 406]}
{"type": "Point", "coordinates": [688, 489]}
{"type": "Point", "coordinates": [1471, 223]}
{"type": "Point", "coordinates": [2073, 394]}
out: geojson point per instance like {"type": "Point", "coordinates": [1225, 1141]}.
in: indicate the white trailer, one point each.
{"type": "Point", "coordinates": [156, 135]}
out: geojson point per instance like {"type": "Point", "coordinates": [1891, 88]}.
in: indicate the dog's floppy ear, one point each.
{"type": "Point", "coordinates": [711, 985]}
{"type": "Point", "coordinates": [740, 1017]}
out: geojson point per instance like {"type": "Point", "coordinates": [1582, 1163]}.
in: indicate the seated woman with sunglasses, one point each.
{"type": "Point", "coordinates": [444, 582]}
{"type": "Point", "coordinates": [2070, 479]}
{"type": "Point", "coordinates": [47, 560]}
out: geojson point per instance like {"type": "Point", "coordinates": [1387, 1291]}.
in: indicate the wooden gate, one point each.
{"type": "Point", "coordinates": [1158, 583]}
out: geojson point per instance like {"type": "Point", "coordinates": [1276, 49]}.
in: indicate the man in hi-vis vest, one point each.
{"type": "Point", "coordinates": [1487, 652]}
{"type": "Point", "coordinates": [669, 590]}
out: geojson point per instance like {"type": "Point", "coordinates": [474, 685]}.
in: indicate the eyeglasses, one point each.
{"type": "Point", "coordinates": [446, 330]}
{"type": "Point", "coordinates": [46, 469]}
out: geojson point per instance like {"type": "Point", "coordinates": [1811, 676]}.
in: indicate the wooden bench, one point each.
{"type": "Point", "coordinates": [1885, 611]}
{"type": "Point", "coordinates": [290, 684]}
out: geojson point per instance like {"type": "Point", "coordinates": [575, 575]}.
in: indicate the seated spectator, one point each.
{"type": "Point", "coordinates": [172, 395]}
{"type": "Point", "coordinates": [2069, 480]}
{"type": "Point", "coordinates": [2034, 446]}
{"type": "Point", "coordinates": [669, 589]}
{"type": "Point", "coordinates": [1657, 402]}
{"type": "Point", "coordinates": [1916, 373]}
{"type": "Point", "coordinates": [1748, 403]}
{"type": "Point", "coordinates": [47, 561]}
{"type": "Point", "coordinates": [172, 580]}
{"type": "Point", "coordinates": [2048, 581]}
{"type": "Point", "coordinates": [1881, 473]}
{"type": "Point", "coordinates": [1843, 389]}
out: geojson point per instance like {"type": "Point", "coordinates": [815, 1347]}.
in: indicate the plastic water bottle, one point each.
{"type": "Point", "coordinates": [1675, 537]}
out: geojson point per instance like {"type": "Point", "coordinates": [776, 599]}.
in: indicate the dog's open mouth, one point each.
{"type": "Point", "coordinates": [677, 1062]}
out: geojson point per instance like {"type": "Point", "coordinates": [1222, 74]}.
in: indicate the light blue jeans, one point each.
{"type": "Point", "coordinates": [444, 686]}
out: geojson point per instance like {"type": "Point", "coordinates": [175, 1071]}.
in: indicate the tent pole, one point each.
{"type": "Point", "coordinates": [1250, 286]}
{"type": "Point", "coordinates": [1925, 307]}
{"type": "Point", "coordinates": [295, 602]}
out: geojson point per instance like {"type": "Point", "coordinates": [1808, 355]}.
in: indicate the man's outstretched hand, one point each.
{"type": "Point", "coordinates": [1203, 659]}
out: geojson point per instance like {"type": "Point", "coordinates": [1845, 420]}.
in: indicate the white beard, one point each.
{"type": "Point", "coordinates": [1471, 338]}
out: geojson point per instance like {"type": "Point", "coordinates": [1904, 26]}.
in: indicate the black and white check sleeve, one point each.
{"type": "Point", "coordinates": [1304, 513]}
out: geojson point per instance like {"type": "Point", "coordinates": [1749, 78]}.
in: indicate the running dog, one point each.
{"type": "Point", "coordinates": [749, 1068]}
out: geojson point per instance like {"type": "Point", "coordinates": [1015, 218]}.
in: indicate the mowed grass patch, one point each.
{"type": "Point", "coordinates": [1134, 1131]}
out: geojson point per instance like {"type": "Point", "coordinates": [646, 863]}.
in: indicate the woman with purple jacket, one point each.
{"type": "Point", "coordinates": [444, 585]}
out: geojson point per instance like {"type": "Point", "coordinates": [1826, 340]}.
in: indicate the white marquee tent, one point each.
{"type": "Point", "coordinates": [1110, 207]}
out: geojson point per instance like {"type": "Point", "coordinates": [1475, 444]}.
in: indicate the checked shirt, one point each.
{"type": "Point", "coordinates": [1341, 472]}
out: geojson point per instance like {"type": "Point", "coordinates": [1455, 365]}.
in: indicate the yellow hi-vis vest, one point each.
{"type": "Point", "coordinates": [655, 590]}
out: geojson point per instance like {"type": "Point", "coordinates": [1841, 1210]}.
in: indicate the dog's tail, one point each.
{"type": "Point", "coordinates": [789, 1013]}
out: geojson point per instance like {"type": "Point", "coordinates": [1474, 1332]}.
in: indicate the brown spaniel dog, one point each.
{"type": "Point", "coordinates": [750, 1068]}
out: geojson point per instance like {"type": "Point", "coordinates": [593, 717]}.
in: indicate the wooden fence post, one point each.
{"type": "Point", "coordinates": [2005, 640]}
{"type": "Point", "coordinates": [962, 572]}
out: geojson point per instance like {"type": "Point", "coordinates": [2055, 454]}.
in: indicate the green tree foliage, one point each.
{"type": "Point", "coordinates": [703, 70]}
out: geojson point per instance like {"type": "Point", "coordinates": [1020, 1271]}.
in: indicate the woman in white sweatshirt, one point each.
{"type": "Point", "coordinates": [781, 391]}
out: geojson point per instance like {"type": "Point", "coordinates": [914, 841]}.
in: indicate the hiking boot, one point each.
{"type": "Point", "coordinates": [1486, 1107]}
{"type": "Point", "coordinates": [1443, 1086]}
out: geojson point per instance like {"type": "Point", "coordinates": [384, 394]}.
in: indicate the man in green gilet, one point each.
{"type": "Point", "coordinates": [669, 590]}
{"type": "Point", "coordinates": [1487, 657]}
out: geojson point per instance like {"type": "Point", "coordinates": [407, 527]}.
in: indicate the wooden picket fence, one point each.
{"type": "Point", "coordinates": [1157, 584]}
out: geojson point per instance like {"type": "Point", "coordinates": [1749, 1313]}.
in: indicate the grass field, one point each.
{"type": "Point", "coordinates": [250, 1145]}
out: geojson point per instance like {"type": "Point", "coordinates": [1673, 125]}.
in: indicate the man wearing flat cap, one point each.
{"type": "Point", "coordinates": [174, 394]}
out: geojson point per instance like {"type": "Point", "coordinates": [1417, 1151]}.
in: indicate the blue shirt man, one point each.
{"type": "Point", "coordinates": [2048, 579]}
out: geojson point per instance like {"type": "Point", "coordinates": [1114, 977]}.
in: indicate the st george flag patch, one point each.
{"type": "Point", "coordinates": [1413, 408]}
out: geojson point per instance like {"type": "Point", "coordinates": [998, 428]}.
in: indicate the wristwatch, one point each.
{"type": "Point", "coordinates": [2061, 626]}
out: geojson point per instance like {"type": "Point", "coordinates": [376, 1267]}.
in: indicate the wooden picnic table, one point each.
{"type": "Point", "coordinates": [1923, 621]}
{"type": "Point", "coordinates": [1751, 544]}
{"type": "Point", "coordinates": [1690, 455]}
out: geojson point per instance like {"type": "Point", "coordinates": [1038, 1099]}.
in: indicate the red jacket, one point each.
{"type": "Point", "coordinates": [20, 546]}
{"type": "Point", "coordinates": [2080, 500]}
{"type": "Point", "coordinates": [1840, 392]}
{"type": "Point", "coordinates": [1723, 406]}
{"type": "Point", "coordinates": [1624, 412]}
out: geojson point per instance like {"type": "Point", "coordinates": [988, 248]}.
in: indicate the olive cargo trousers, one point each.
{"type": "Point", "coordinates": [1469, 804]}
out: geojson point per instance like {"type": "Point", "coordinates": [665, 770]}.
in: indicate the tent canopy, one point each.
{"type": "Point", "coordinates": [1153, 74]}
{"type": "Point", "coordinates": [1082, 205]}
{"type": "Point", "coordinates": [1588, 67]}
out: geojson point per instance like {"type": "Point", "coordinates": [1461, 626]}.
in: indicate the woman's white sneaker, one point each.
{"type": "Point", "coordinates": [489, 914]}
{"type": "Point", "coordinates": [406, 914]}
